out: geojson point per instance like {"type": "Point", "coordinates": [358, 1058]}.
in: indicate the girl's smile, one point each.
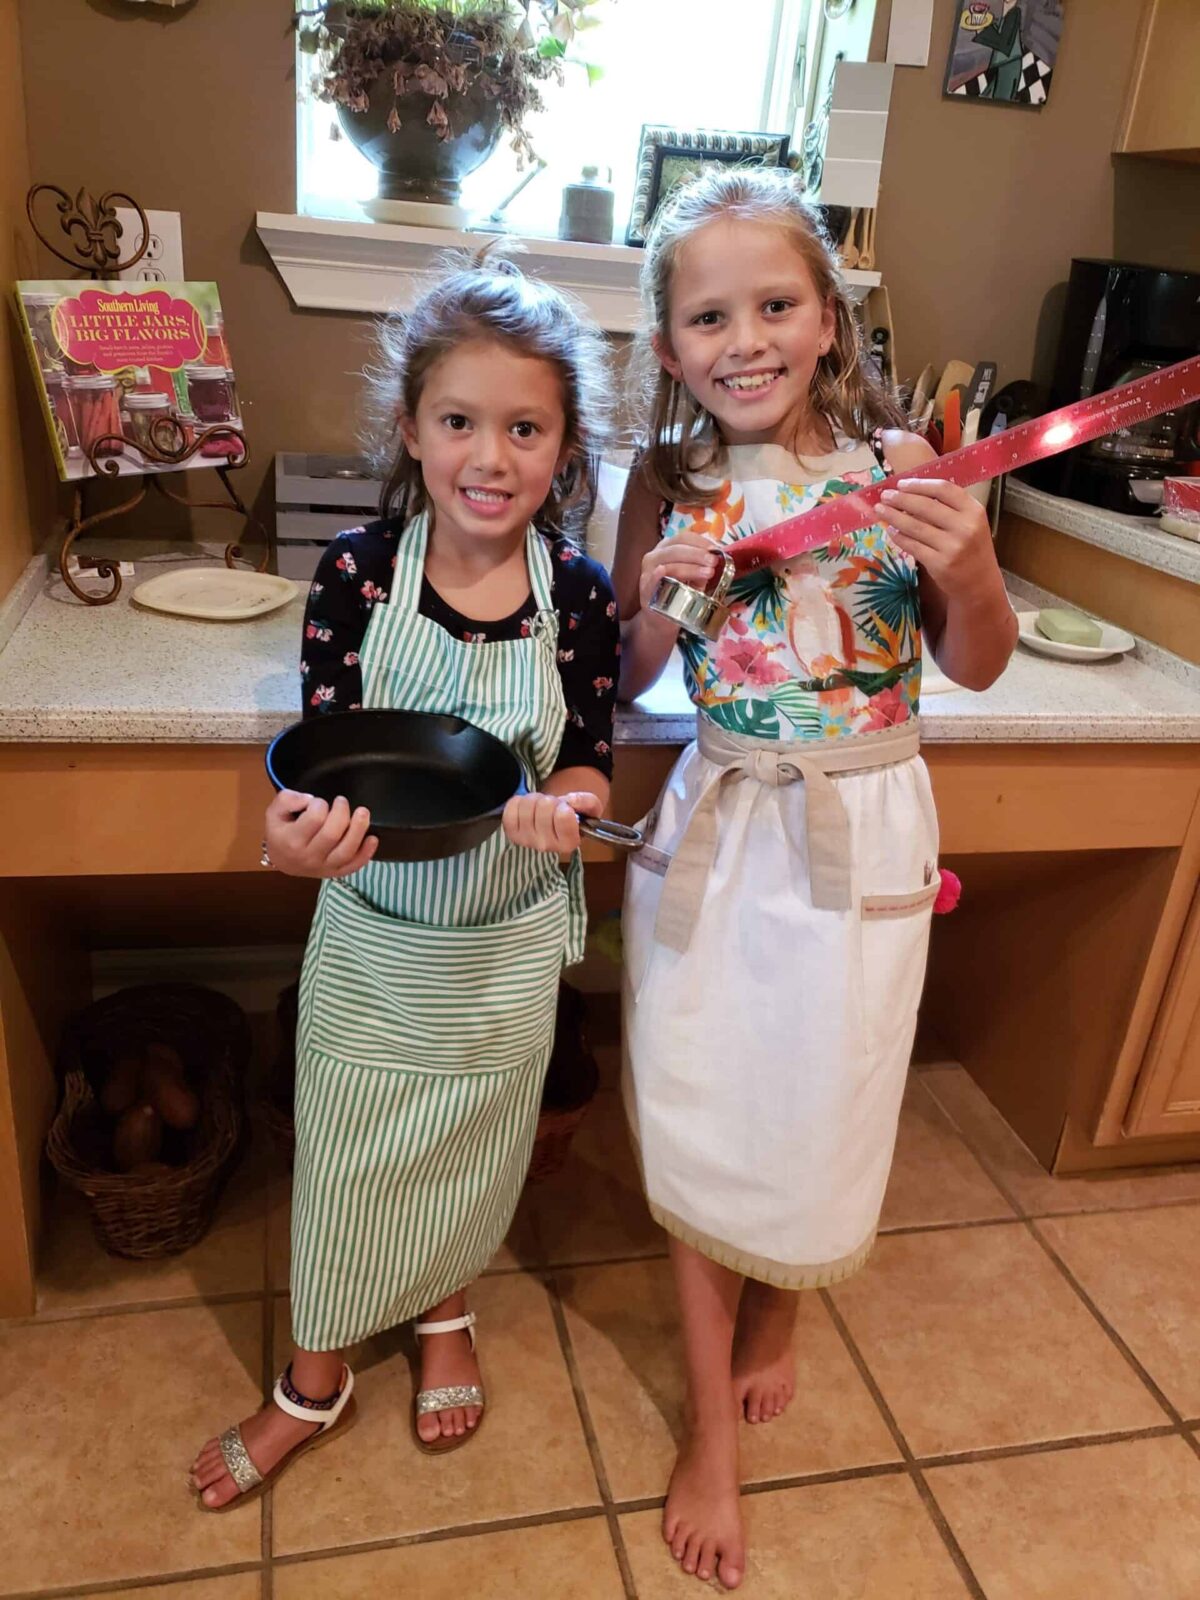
{"type": "Point", "coordinates": [486, 502]}
{"type": "Point", "coordinates": [752, 385]}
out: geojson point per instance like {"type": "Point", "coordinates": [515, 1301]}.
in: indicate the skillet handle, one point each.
{"type": "Point", "coordinates": [605, 831]}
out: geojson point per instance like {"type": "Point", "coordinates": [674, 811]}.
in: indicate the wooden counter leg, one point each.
{"type": "Point", "coordinates": [43, 977]}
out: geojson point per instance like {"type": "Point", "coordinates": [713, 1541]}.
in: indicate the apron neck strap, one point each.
{"type": "Point", "coordinates": [410, 566]}
{"type": "Point", "coordinates": [541, 569]}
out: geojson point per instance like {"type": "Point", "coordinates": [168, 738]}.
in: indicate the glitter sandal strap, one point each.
{"type": "Point", "coordinates": [238, 1464]}
{"type": "Point", "coordinates": [428, 1400]}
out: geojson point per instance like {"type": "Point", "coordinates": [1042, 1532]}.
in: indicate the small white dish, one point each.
{"type": "Point", "coordinates": [1113, 641]}
{"type": "Point", "coordinates": [216, 594]}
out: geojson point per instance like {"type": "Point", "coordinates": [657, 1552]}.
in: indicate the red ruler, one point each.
{"type": "Point", "coordinates": [1003, 452]}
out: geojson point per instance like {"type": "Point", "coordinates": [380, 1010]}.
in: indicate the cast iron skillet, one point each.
{"type": "Point", "coordinates": [434, 785]}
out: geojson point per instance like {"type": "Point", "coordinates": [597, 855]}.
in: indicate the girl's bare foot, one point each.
{"type": "Point", "coordinates": [268, 1436]}
{"type": "Point", "coordinates": [702, 1521]}
{"type": "Point", "coordinates": [448, 1362]}
{"type": "Point", "coordinates": [764, 1367]}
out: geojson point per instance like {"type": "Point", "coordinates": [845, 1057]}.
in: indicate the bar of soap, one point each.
{"type": "Point", "coordinates": [1067, 627]}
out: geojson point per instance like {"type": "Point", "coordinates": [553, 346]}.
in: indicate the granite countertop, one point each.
{"type": "Point", "coordinates": [1140, 539]}
{"type": "Point", "coordinates": [121, 674]}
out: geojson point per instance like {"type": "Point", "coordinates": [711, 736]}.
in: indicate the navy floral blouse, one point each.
{"type": "Point", "coordinates": [355, 575]}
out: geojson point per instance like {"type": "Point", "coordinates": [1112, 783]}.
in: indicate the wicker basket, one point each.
{"type": "Point", "coordinates": [146, 1215]}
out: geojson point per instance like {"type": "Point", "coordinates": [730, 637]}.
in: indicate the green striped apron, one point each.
{"type": "Point", "coordinates": [427, 1001]}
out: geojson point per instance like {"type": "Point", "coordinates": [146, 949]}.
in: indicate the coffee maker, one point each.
{"type": "Point", "coordinates": [1120, 323]}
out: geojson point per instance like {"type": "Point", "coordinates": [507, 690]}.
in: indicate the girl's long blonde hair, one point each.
{"type": "Point", "coordinates": [489, 299]}
{"type": "Point", "coordinates": [682, 436]}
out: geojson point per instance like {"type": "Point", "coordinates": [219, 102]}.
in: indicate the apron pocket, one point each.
{"type": "Point", "coordinates": [898, 905]}
{"type": "Point", "coordinates": [389, 993]}
{"type": "Point", "coordinates": [893, 944]}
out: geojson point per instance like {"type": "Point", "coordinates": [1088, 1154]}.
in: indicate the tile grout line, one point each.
{"type": "Point", "coordinates": [1043, 1447]}
{"type": "Point", "coordinates": [470, 1530]}
{"type": "Point", "coordinates": [541, 1268]}
{"type": "Point", "coordinates": [1115, 1211]}
{"type": "Point", "coordinates": [45, 1319]}
{"type": "Point", "coordinates": [121, 1586]}
{"type": "Point", "coordinates": [593, 1443]}
{"type": "Point", "coordinates": [934, 1511]}
{"type": "Point", "coordinates": [1030, 1222]}
{"type": "Point", "coordinates": [1107, 1327]}
{"type": "Point", "coordinates": [407, 1541]}
{"type": "Point", "coordinates": [586, 1513]}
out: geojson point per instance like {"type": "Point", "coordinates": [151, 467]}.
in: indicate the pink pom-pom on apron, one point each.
{"type": "Point", "coordinates": [949, 891]}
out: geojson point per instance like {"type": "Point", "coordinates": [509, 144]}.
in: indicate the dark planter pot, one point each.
{"type": "Point", "coordinates": [413, 163]}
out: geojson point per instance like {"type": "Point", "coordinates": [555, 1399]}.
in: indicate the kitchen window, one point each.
{"type": "Point", "coordinates": [683, 63]}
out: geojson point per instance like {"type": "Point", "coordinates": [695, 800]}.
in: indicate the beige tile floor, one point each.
{"type": "Point", "coordinates": [1003, 1405]}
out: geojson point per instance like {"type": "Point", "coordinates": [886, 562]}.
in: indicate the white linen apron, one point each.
{"type": "Point", "coordinates": [772, 978]}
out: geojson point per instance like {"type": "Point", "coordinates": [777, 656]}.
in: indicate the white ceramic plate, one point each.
{"type": "Point", "coordinates": [1113, 641]}
{"type": "Point", "coordinates": [218, 594]}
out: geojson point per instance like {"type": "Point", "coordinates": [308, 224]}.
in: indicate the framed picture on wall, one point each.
{"type": "Point", "coordinates": [1004, 51]}
{"type": "Point", "coordinates": [667, 157]}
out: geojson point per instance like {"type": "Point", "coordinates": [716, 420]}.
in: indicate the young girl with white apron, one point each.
{"type": "Point", "coordinates": [772, 975]}
{"type": "Point", "coordinates": [804, 844]}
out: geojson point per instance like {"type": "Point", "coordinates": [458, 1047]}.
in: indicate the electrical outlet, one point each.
{"type": "Point", "coordinates": [163, 260]}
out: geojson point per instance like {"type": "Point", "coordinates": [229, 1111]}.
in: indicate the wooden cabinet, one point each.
{"type": "Point", "coordinates": [1162, 112]}
{"type": "Point", "coordinates": [1167, 1097]}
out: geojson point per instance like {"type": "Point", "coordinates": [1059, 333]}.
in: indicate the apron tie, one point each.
{"type": "Point", "coordinates": [775, 764]}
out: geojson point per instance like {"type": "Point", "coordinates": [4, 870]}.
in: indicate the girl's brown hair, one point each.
{"type": "Point", "coordinates": [490, 299]}
{"type": "Point", "coordinates": [683, 438]}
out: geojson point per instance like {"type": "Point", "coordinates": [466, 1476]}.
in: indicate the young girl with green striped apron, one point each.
{"type": "Point", "coordinates": [429, 988]}
{"type": "Point", "coordinates": [427, 1002]}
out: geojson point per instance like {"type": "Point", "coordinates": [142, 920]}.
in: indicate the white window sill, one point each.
{"type": "Point", "coordinates": [372, 266]}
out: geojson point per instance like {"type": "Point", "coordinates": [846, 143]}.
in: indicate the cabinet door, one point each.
{"type": "Point", "coordinates": [1167, 1097]}
{"type": "Point", "coordinates": [1162, 112]}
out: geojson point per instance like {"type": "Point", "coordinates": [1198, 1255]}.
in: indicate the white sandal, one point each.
{"type": "Point", "coordinates": [449, 1399]}
{"type": "Point", "coordinates": [331, 1420]}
